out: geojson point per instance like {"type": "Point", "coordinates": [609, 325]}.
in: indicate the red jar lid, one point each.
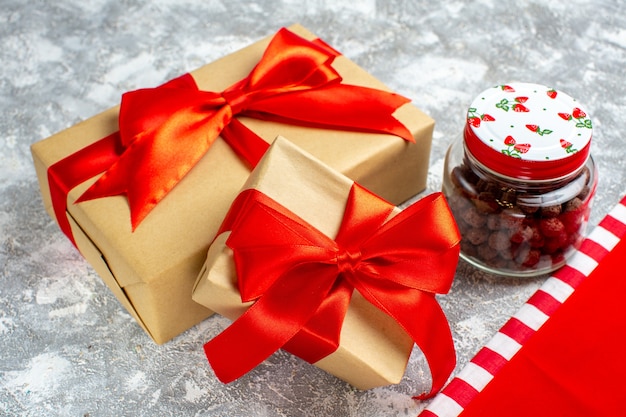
{"type": "Point", "coordinates": [528, 132]}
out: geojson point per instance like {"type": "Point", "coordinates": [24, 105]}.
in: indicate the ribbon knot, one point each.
{"type": "Point", "coordinates": [348, 261]}
{"type": "Point", "coordinates": [291, 271]}
{"type": "Point", "coordinates": [236, 99]}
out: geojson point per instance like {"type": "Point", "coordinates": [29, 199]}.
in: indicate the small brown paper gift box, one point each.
{"type": "Point", "coordinates": [152, 270]}
{"type": "Point", "coordinates": [374, 349]}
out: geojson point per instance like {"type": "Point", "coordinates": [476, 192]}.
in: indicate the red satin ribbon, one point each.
{"type": "Point", "coordinates": [301, 280]}
{"type": "Point", "coordinates": [165, 131]}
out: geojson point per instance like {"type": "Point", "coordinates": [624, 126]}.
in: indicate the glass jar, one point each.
{"type": "Point", "coordinates": [521, 181]}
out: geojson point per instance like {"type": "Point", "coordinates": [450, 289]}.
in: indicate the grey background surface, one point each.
{"type": "Point", "coordinates": [67, 348]}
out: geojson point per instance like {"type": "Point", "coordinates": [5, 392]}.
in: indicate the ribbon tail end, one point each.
{"type": "Point", "coordinates": [223, 377]}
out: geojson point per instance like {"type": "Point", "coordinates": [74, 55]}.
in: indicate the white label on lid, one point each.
{"type": "Point", "coordinates": [530, 121]}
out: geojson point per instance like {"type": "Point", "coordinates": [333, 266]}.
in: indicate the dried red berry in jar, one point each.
{"type": "Point", "coordinates": [551, 227]}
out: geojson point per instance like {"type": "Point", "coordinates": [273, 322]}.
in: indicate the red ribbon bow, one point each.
{"type": "Point", "coordinates": [165, 131]}
{"type": "Point", "coordinates": [301, 280]}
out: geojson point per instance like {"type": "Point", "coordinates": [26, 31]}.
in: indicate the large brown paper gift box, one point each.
{"type": "Point", "coordinates": [152, 270]}
{"type": "Point", "coordinates": [374, 350]}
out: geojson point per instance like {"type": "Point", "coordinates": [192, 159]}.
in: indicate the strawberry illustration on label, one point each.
{"type": "Point", "coordinates": [520, 108]}
{"type": "Point", "coordinates": [581, 118]}
{"type": "Point", "coordinates": [516, 104]}
{"type": "Point", "coordinates": [513, 148]}
{"type": "Point", "coordinates": [551, 93]}
{"type": "Point", "coordinates": [474, 118]}
{"type": "Point", "coordinates": [532, 128]}
{"type": "Point", "coordinates": [507, 88]}
{"type": "Point", "coordinates": [578, 113]}
{"type": "Point", "coordinates": [569, 148]}
{"type": "Point", "coordinates": [538, 130]}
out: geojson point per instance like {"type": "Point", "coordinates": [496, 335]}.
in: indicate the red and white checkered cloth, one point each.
{"type": "Point", "coordinates": [486, 364]}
